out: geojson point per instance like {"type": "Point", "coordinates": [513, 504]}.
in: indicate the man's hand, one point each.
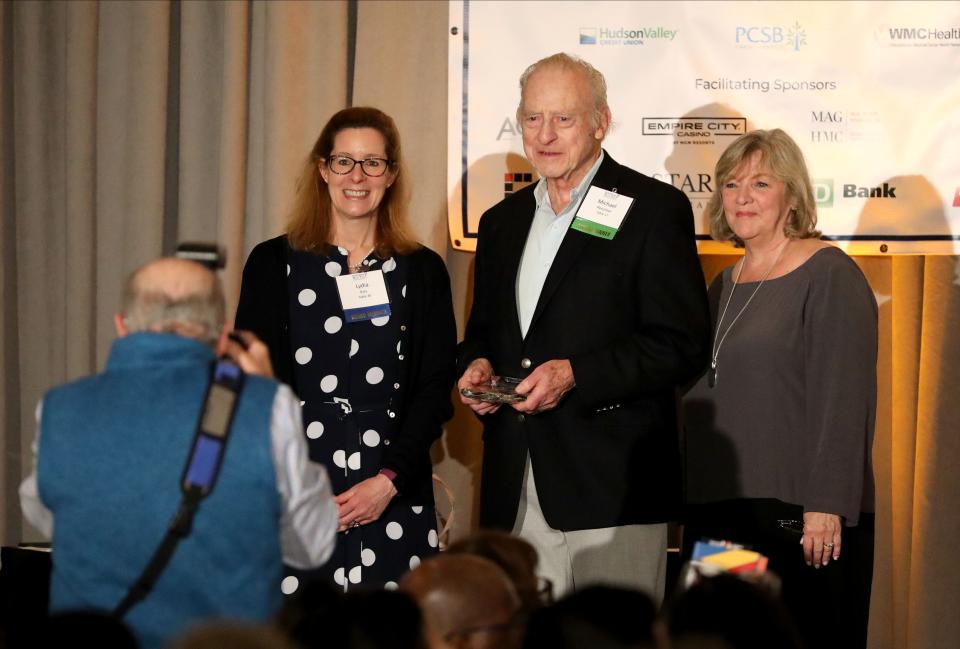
{"type": "Point", "coordinates": [545, 387]}
{"type": "Point", "coordinates": [250, 354]}
{"type": "Point", "coordinates": [480, 371]}
{"type": "Point", "coordinates": [365, 501]}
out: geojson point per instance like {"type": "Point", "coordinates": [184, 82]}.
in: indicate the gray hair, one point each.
{"type": "Point", "coordinates": [593, 76]}
{"type": "Point", "coordinates": [197, 313]}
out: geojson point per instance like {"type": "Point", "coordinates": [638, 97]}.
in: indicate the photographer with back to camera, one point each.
{"type": "Point", "coordinates": [110, 469]}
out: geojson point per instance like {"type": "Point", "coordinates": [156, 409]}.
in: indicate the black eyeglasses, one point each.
{"type": "Point", "coordinates": [344, 164]}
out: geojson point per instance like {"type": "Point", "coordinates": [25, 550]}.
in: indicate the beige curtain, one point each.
{"type": "Point", "coordinates": [128, 126]}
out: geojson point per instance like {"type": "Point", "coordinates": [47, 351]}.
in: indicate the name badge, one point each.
{"type": "Point", "coordinates": [601, 213]}
{"type": "Point", "coordinates": [363, 296]}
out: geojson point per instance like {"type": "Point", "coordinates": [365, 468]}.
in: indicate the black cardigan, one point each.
{"type": "Point", "coordinates": [428, 333]}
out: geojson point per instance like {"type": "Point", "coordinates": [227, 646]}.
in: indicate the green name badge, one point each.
{"type": "Point", "coordinates": [601, 213]}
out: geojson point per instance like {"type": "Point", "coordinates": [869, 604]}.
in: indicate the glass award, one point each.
{"type": "Point", "coordinates": [500, 389]}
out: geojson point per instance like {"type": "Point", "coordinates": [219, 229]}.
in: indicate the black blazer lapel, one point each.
{"type": "Point", "coordinates": [573, 241]}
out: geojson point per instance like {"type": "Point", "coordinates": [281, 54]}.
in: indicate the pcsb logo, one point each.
{"type": "Point", "coordinates": [823, 191]}
{"type": "Point", "coordinates": [771, 36]}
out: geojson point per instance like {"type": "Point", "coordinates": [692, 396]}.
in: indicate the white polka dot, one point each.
{"type": "Point", "coordinates": [354, 347]}
{"type": "Point", "coordinates": [394, 531]}
{"type": "Point", "coordinates": [314, 429]}
{"type": "Point", "coordinates": [379, 322]}
{"type": "Point", "coordinates": [332, 268]}
{"type": "Point", "coordinates": [371, 437]}
{"type": "Point", "coordinates": [355, 575]}
{"type": "Point", "coordinates": [390, 585]}
{"type": "Point", "coordinates": [368, 557]}
{"type": "Point", "coordinates": [414, 562]}
{"type": "Point", "coordinates": [307, 297]}
{"type": "Point", "coordinates": [389, 265]}
{"type": "Point", "coordinates": [332, 324]}
{"type": "Point", "coordinates": [432, 538]}
{"type": "Point", "coordinates": [374, 375]}
{"type": "Point", "coordinates": [301, 403]}
{"type": "Point", "coordinates": [288, 270]}
{"type": "Point", "coordinates": [342, 250]}
{"type": "Point", "coordinates": [403, 291]}
{"type": "Point", "coordinates": [303, 355]}
{"type": "Point", "coordinates": [328, 383]}
{"type": "Point", "coordinates": [398, 346]}
{"type": "Point", "coordinates": [417, 509]}
{"type": "Point", "coordinates": [354, 461]}
{"type": "Point", "coordinates": [338, 576]}
{"type": "Point", "coordinates": [340, 459]}
{"type": "Point", "coordinates": [289, 585]}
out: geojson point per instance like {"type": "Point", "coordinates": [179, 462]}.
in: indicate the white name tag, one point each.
{"type": "Point", "coordinates": [601, 212]}
{"type": "Point", "coordinates": [363, 296]}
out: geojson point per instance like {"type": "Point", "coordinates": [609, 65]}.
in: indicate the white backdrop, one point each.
{"type": "Point", "coordinates": [870, 91]}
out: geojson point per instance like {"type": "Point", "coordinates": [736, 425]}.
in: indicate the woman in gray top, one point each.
{"type": "Point", "coordinates": [779, 429]}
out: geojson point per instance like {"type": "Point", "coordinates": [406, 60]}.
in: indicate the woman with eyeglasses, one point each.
{"type": "Point", "coordinates": [359, 321]}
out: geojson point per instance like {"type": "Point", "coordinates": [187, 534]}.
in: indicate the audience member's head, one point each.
{"type": "Point", "coordinates": [467, 602]}
{"type": "Point", "coordinates": [383, 619]}
{"type": "Point", "coordinates": [514, 555]}
{"type": "Point", "coordinates": [741, 613]}
{"type": "Point", "coordinates": [599, 617]}
{"type": "Point", "coordinates": [318, 616]}
{"type": "Point", "coordinates": [233, 634]}
{"type": "Point", "coordinates": [312, 616]}
{"type": "Point", "coordinates": [95, 628]}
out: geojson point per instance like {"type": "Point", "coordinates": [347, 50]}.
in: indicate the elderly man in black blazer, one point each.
{"type": "Point", "coordinates": [587, 286]}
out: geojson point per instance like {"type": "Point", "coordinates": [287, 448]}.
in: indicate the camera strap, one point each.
{"type": "Point", "coordinates": [199, 474]}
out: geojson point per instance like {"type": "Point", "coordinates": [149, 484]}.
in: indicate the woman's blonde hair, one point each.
{"type": "Point", "coordinates": [784, 159]}
{"type": "Point", "coordinates": [309, 225]}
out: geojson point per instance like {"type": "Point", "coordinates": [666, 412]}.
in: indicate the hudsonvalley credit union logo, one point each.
{"type": "Point", "coordinates": [624, 35]}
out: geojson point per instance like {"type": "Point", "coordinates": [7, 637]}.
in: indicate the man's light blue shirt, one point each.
{"type": "Point", "coordinates": [544, 239]}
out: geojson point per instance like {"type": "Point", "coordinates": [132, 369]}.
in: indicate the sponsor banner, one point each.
{"type": "Point", "coordinates": [870, 92]}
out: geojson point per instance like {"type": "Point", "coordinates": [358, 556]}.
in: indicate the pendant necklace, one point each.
{"type": "Point", "coordinates": [717, 338]}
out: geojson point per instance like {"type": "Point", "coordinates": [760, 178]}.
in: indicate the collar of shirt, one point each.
{"type": "Point", "coordinates": [543, 240]}
{"type": "Point", "coordinates": [543, 198]}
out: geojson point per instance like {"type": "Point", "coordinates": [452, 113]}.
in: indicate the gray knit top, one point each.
{"type": "Point", "coordinates": [792, 411]}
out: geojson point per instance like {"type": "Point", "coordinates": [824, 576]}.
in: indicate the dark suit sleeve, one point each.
{"type": "Point", "coordinates": [476, 336]}
{"type": "Point", "coordinates": [669, 342]}
{"type": "Point", "coordinates": [427, 400]}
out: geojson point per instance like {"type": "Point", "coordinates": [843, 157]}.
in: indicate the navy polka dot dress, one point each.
{"type": "Point", "coordinates": [347, 373]}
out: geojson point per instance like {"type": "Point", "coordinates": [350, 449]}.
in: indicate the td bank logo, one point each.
{"type": "Point", "coordinates": [823, 191]}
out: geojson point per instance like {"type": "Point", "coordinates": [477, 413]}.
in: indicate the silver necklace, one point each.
{"type": "Point", "coordinates": [717, 338]}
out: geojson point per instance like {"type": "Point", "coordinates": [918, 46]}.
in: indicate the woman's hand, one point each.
{"type": "Point", "coordinates": [821, 538]}
{"type": "Point", "coordinates": [365, 501]}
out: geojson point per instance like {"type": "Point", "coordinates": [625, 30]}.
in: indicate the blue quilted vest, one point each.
{"type": "Point", "coordinates": [112, 450]}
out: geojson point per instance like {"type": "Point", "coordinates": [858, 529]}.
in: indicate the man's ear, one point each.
{"type": "Point", "coordinates": [604, 125]}
{"type": "Point", "coordinates": [120, 325]}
